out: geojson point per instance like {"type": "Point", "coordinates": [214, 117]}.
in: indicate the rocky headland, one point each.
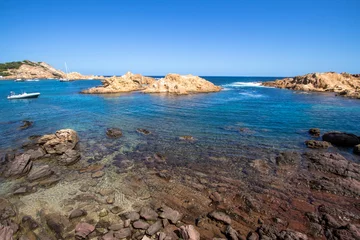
{"type": "Point", "coordinates": [172, 83]}
{"type": "Point", "coordinates": [52, 190]}
{"type": "Point", "coordinates": [37, 70]}
{"type": "Point", "coordinates": [343, 84]}
{"type": "Point", "coordinates": [129, 82]}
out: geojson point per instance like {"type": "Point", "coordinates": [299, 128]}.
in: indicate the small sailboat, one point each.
{"type": "Point", "coordinates": [23, 95]}
{"type": "Point", "coordinates": [66, 79]}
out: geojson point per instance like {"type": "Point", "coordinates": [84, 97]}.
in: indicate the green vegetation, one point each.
{"type": "Point", "coordinates": [5, 67]}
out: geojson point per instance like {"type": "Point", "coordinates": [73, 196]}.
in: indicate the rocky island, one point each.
{"type": "Point", "coordinates": [30, 70]}
{"type": "Point", "coordinates": [127, 83]}
{"type": "Point", "coordinates": [171, 83]}
{"type": "Point", "coordinates": [343, 84]}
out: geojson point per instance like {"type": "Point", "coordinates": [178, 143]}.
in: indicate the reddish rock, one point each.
{"type": "Point", "coordinates": [140, 224]}
{"type": "Point", "coordinates": [98, 174]}
{"type": "Point", "coordinates": [154, 228]}
{"type": "Point", "coordinates": [189, 232]}
{"type": "Point", "coordinates": [82, 230]}
{"type": "Point", "coordinates": [170, 214]}
{"type": "Point", "coordinates": [148, 213]}
{"type": "Point", "coordinates": [221, 217]}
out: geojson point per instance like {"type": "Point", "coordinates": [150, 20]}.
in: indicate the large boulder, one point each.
{"type": "Point", "coordinates": [59, 142]}
{"type": "Point", "coordinates": [178, 84]}
{"type": "Point", "coordinates": [20, 166]}
{"type": "Point", "coordinates": [341, 139]}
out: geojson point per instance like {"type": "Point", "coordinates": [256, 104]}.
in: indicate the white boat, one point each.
{"type": "Point", "coordinates": [22, 95]}
{"type": "Point", "coordinates": [32, 80]}
{"type": "Point", "coordinates": [66, 78]}
{"type": "Point", "coordinates": [19, 80]}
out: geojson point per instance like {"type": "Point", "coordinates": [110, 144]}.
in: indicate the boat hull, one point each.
{"type": "Point", "coordinates": [22, 96]}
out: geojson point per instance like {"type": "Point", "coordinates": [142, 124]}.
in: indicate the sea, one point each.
{"type": "Point", "coordinates": [243, 122]}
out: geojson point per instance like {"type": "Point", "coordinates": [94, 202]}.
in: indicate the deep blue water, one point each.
{"type": "Point", "coordinates": [241, 120]}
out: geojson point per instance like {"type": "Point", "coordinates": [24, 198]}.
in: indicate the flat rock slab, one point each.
{"type": "Point", "coordinates": [140, 224]}
{"type": "Point", "coordinates": [170, 214]}
{"type": "Point", "coordinates": [154, 228]}
{"type": "Point", "coordinates": [148, 213]}
{"type": "Point", "coordinates": [123, 233]}
{"type": "Point", "coordinates": [82, 230]}
{"type": "Point", "coordinates": [39, 172]}
{"type": "Point", "coordinates": [221, 217]}
{"type": "Point", "coordinates": [133, 216]}
{"type": "Point", "coordinates": [21, 165]}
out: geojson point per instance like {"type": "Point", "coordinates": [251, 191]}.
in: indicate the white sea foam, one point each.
{"type": "Point", "coordinates": [243, 84]}
{"type": "Point", "coordinates": [253, 95]}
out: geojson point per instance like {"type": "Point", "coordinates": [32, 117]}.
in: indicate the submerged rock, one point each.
{"type": "Point", "coordinates": [82, 230]}
{"type": "Point", "coordinates": [39, 172]}
{"type": "Point", "coordinates": [154, 228]}
{"type": "Point", "coordinates": [317, 144]}
{"type": "Point", "coordinates": [148, 214]}
{"type": "Point", "coordinates": [69, 157]}
{"type": "Point", "coordinates": [143, 131]}
{"type": "Point", "coordinates": [314, 132]}
{"type": "Point", "coordinates": [341, 139]}
{"type": "Point", "coordinates": [287, 158]}
{"type": "Point", "coordinates": [36, 154]}
{"type": "Point", "coordinates": [170, 214]}
{"type": "Point", "coordinates": [189, 232]}
{"type": "Point", "coordinates": [6, 233]}
{"type": "Point", "coordinates": [113, 132]}
{"type": "Point", "coordinates": [26, 124]}
{"type": "Point", "coordinates": [77, 213]}
{"type": "Point", "coordinates": [20, 166]}
{"type": "Point", "coordinates": [220, 216]}
{"type": "Point", "coordinates": [187, 138]}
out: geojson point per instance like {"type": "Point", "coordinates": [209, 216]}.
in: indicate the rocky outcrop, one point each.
{"type": "Point", "coordinates": [29, 70]}
{"type": "Point", "coordinates": [341, 139]}
{"type": "Point", "coordinates": [59, 142]}
{"type": "Point", "coordinates": [126, 83]}
{"type": "Point", "coordinates": [317, 144]}
{"type": "Point", "coordinates": [343, 84]}
{"type": "Point", "coordinates": [20, 166]}
{"type": "Point", "coordinates": [178, 84]}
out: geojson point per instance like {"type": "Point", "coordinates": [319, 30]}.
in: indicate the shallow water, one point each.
{"type": "Point", "coordinates": [245, 120]}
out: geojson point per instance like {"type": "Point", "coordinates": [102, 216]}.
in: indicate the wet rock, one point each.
{"type": "Point", "coordinates": [26, 124]}
{"type": "Point", "coordinates": [290, 234]}
{"type": "Point", "coordinates": [115, 209]}
{"type": "Point", "coordinates": [98, 174]}
{"type": "Point", "coordinates": [164, 175]}
{"type": "Point", "coordinates": [133, 216]}
{"type": "Point", "coordinates": [123, 233]}
{"type": "Point", "coordinates": [103, 213]}
{"type": "Point", "coordinates": [314, 132]}
{"type": "Point", "coordinates": [333, 163]}
{"type": "Point", "coordinates": [231, 233]}
{"type": "Point", "coordinates": [159, 158]}
{"type": "Point", "coordinates": [145, 238]}
{"type": "Point", "coordinates": [77, 213]}
{"type": "Point", "coordinates": [140, 224]}
{"type": "Point", "coordinates": [69, 157]}
{"type": "Point", "coordinates": [59, 142]}
{"type": "Point", "coordinates": [216, 197]}
{"type": "Point", "coordinates": [36, 154]}
{"type": "Point", "coordinates": [6, 209]}
{"type": "Point", "coordinates": [49, 181]}
{"type": "Point", "coordinates": [287, 158]}
{"type": "Point", "coordinates": [6, 233]}
{"type": "Point", "coordinates": [20, 166]}
{"type": "Point", "coordinates": [357, 149]}
{"type": "Point", "coordinates": [24, 190]}
{"type": "Point", "coordinates": [260, 165]}
{"type": "Point", "coordinates": [92, 168]}
{"type": "Point", "coordinates": [28, 222]}
{"type": "Point", "coordinates": [187, 138]}
{"type": "Point", "coordinates": [154, 228]}
{"type": "Point", "coordinates": [148, 214]}
{"type": "Point", "coordinates": [110, 199]}
{"type": "Point", "coordinates": [143, 131]}
{"type": "Point", "coordinates": [165, 222]}
{"type": "Point", "coordinates": [127, 223]}
{"type": "Point", "coordinates": [220, 216]}
{"type": "Point", "coordinates": [189, 232]}
{"type": "Point", "coordinates": [109, 236]}
{"type": "Point", "coordinates": [170, 214]}
{"type": "Point", "coordinates": [116, 227]}
{"type": "Point", "coordinates": [252, 236]}
{"type": "Point", "coordinates": [341, 139]}
{"type": "Point", "coordinates": [39, 172]}
{"type": "Point", "coordinates": [55, 224]}
{"type": "Point", "coordinates": [82, 230]}
{"type": "Point", "coordinates": [113, 132]}
{"type": "Point", "coordinates": [317, 144]}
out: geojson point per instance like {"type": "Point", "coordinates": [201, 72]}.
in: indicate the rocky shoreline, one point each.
{"type": "Point", "coordinates": [342, 84]}
{"type": "Point", "coordinates": [53, 192]}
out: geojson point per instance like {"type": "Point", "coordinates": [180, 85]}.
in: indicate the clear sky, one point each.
{"type": "Point", "coordinates": [202, 37]}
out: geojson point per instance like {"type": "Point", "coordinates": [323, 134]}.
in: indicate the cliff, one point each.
{"type": "Point", "coordinates": [29, 70]}
{"type": "Point", "coordinates": [177, 84]}
{"type": "Point", "coordinates": [343, 84]}
{"type": "Point", "coordinates": [126, 83]}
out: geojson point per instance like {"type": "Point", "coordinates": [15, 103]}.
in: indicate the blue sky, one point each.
{"type": "Point", "coordinates": [202, 37]}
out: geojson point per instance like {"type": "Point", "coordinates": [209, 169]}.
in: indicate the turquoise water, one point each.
{"type": "Point", "coordinates": [244, 120]}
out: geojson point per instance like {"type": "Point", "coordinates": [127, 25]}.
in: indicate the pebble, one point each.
{"type": "Point", "coordinates": [98, 174]}
{"type": "Point", "coordinates": [103, 212]}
